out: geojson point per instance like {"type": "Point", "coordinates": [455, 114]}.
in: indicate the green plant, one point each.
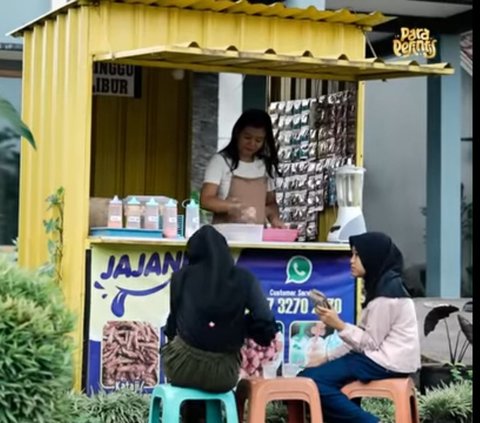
{"type": "Point", "coordinates": [442, 312]}
{"type": "Point", "coordinates": [14, 121]}
{"type": "Point", "coordinates": [276, 412]}
{"type": "Point", "coordinates": [447, 404]}
{"type": "Point", "coordinates": [35, 348]}
{"type": "Point", "coordinates": [122, 406]}
{"type": "Point", "coordinates": [54, 229]}
{"type": "Point", "coordinates": [382, 408]}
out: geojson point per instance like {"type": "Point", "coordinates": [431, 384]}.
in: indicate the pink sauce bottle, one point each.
{"type": "Point", "coordinates": [115, 212]}
{"type": "Point", "coordinates": [134, 214]}
{"type": "Point", "coordinates": [151, 215]}
{"type": "Point", "coordinates": [170, 219]}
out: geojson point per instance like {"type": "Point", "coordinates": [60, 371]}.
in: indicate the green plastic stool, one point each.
{"type": "Point", "coordinates": [171, 398]}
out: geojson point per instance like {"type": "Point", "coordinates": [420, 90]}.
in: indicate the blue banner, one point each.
{"type": "Point", "coordinates": [286, 277]}
{"type": "Point", "coordinates": [129, 304]}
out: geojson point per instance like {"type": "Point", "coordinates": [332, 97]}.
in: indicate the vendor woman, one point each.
{"type": "Point", "coordinates": [239, 183]}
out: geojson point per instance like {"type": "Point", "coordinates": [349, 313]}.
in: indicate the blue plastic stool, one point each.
{"type": "Point", "coordinates": [172, 397]}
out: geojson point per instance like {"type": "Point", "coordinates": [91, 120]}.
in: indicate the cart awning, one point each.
{"type": "Point", "coordinates": [296, 64]}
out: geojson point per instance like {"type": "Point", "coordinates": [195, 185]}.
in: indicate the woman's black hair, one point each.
{"type": "Point", "coordinates": [254, 118]}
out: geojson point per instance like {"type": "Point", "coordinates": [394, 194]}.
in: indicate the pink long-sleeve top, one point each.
{"type": "Point", "coordinates": [387, 334]}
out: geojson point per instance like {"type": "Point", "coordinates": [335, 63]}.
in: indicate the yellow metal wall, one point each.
{"type": "Point", "coordinates": [120, 27]}
{"type": "Point", "coordinates": [140, 146]}
{"type": "Point", "coordinates": [57, 106]}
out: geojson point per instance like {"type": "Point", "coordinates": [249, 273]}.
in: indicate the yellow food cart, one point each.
{"type": "Point", "coordinates": [101, 146]}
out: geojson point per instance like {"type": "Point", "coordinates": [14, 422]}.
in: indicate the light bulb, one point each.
{"type": "Point", "coordinates": [178, 74]}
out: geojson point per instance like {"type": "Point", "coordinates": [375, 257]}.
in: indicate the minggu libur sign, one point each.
{"type": "Point", "coordinates": [129, 304]}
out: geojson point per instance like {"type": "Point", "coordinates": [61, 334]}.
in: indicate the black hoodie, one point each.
{"type": "Point", "coordinates": [210, 295]}
{"type": "Point", "coordinates": [383, 264]}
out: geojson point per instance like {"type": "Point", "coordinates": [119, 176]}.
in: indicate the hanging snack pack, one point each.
{"type": "Point", "coordinates": [313, 137]}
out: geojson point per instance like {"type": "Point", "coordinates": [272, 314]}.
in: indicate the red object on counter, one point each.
{"type": "Point", "coordinates": [280, 235]}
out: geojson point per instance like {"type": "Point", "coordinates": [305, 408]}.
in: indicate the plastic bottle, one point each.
{"type": "Point", "coordinates": [134, 214]}
{"type": "Point", "coordinates": [192, 218]}
{"type": "Point", "coordinates": [170, 220]}
{"type": "Point", "coordinates": [115, 211]}
{"type": "Point", "coordinates": [151, 215]}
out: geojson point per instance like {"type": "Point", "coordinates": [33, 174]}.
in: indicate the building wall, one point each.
{"type": "Point", "coordinates": [396, 158]}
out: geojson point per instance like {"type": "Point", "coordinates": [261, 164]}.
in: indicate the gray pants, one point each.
{"type": "Point", "coordinates": [191, 367]}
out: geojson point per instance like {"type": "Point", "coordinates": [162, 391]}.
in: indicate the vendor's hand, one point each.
{"type": "Point", "coordinates": [330, 317]}
{"type": "Point", "coordinates": [317, 361]}
{"type": "Point", "coordinates": [248, 215]}
{"type": "Point", "coordinates": [235, 207]}
{"type": "Point", "coordinates": [277, 223]}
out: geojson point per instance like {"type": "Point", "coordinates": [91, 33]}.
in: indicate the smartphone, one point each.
{"type": "Point", "coordinates": [318, 298]}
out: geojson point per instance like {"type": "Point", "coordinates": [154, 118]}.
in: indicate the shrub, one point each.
{"type": "Point", "coordinates": [122, 406]}
{"type": "Point", "coordinates": [35, 349]}
{"type": "Point", "coordinates": [447, 404]}
{"type": "Point", "coordinates": [382, 408]}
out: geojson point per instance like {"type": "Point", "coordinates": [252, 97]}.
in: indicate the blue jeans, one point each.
{"type": "Point", "coordinates": [333, 375]}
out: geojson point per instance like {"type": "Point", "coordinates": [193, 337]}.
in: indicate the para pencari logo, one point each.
{"type": "Point", "coordinates": [415, 41]}
{"type": "Point", "coordinates": [116, 79]}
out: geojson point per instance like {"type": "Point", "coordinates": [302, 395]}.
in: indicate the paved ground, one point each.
{"type": "Point", "coordinates": [435, 345]}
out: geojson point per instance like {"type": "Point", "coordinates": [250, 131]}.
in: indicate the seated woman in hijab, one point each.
{"type": "Point", "coordinates": [386, 342]}
{"type": "Point", "coordinates": [214, 306]}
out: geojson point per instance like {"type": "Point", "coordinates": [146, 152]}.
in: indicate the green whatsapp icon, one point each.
{"type": "Point", "coordinates": [299, 269]}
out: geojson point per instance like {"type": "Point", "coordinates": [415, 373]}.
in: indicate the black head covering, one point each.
{"type": "Point", "coordinates": [211, 281]}
{"type": "Point", "coordinates": [383, 264]}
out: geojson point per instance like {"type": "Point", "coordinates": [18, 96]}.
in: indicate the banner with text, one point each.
{"type": "Point", "coordinates": [129, 305]}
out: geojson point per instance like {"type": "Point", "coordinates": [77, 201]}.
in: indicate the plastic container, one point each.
{"type": "Point", "coordinates": [240, 232]}
{"type": "Point", "coordinates": [290, 370]}
{"type": "Point", "coordinates": [133, 213]}
{"type": "Point", "coordinates": [115, 213]}
{"type": "Point", "coordinates": [151, 215]}
{"type": "Point", "coordinates": [192, 217]}
{"type": "Point", "coordinates": [280, 235]}
{"type": "Point", "coordinates": [170, 219]}
{"type": "Point", "coordinates": [269, 370]}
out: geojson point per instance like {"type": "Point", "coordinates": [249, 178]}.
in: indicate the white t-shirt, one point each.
{"type": "Point", "coordinates": [218, 172]}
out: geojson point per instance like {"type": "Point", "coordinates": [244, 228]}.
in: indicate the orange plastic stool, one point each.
{"type": "Point", "coordinates": [400, 390]}
{"type": "Point", "coordinates": [260, 392]}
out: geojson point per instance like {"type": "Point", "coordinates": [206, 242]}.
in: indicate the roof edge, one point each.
{"type": "Point", "coordinates": [365, 20]}
{"type": "Point", "coordinates": [18, 32]}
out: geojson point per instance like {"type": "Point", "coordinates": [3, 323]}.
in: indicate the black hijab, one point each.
{"type": "Point", "coordinates": [211, 281]}
{"type": "Point", "coordinates": [383, 264]}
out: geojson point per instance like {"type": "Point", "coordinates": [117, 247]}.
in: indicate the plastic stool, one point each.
{"type": "Point", "coordinates": [260, 392]}
{"type": "Point", "coordinates": [172, 397]}
{"type": "Point", "coordinates": [400, 390]}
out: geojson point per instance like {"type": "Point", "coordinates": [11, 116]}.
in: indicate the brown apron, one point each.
{"type": "Point", "coordinates": [251, 193]}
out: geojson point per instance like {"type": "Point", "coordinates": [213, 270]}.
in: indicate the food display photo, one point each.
{"type": "Point", "coordinates": [130, 354]}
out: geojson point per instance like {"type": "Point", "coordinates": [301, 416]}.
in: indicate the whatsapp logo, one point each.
{"type": "Point", "coordinates": [299, 270]}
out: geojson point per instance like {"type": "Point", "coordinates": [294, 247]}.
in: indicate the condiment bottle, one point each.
{"type": "Point", "coordinates": [192, 218]}
{"type": "Point", "coordinates": [170, 221]}
{"type": "Point", "coordinates": [134, 213]}
{"type": "Point", "coordinates": [115, 211]}
{"type": "Point", "coordinates": [151, 215]}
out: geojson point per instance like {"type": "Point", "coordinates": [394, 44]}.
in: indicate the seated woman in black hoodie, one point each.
{"type": "Point", "coordinates": [214, 306]}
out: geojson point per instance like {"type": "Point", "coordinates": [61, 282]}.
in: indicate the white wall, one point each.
{"type": "Point", "coordinates": [395, 159]}
{"type": "Point", "coordinates": [230, 91]}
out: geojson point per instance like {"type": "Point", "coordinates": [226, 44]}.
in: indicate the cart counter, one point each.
{"type": "Point", "coordinates": [128, 300]}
